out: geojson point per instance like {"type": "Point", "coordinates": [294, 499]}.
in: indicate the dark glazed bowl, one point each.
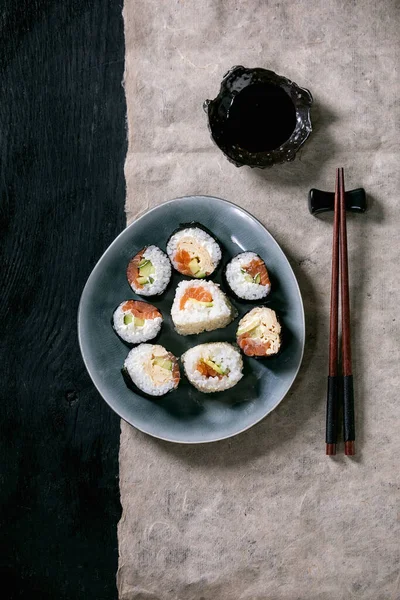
{"type": "Point", "coordinates": [218, 110]}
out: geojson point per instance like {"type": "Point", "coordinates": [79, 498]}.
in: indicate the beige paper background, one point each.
{"type": "Point", "coordinates": [265, 515]}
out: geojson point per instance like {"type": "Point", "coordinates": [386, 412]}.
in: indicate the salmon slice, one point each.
{"type": "Point", "coordinates": [257, 266]}
{"type": "Point", "coordinates": [133, 269]}
{"type": "Point", "coordinates": [253, 347]}
{"type": "Point", "coordinates": [141, 310]}
{"type": "Point", "coordinates": [195, 293]}
{"type": "Point", "coordinates": [206, 370]}
{"type": "Point", "coordinates": [176, 374]}
{"type": "Point", "coordinates": [182, 259]}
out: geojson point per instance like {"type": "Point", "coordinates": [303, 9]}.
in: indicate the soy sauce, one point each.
{"type": "Point", "coordinates": [261, 118]}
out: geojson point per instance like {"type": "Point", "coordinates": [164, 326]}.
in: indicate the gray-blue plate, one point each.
{"type": "Point", "coordinates": [186, 415]}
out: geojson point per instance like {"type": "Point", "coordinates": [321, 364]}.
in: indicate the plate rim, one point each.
{"type": "Point", "coordinates": [97, 266]}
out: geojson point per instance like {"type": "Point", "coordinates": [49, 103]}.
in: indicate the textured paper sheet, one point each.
{"type": "Point", "coordinates": [265, 515]}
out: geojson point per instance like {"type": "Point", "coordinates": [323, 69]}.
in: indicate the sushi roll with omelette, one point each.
{"type": "Point", "coordinates": [200, 306]}
{"type": "Point", "coordinates": [259, 333]}
{"type": "Point", "coordinates": [247, 277]}
{"type": "Point", "coordinates": [149, 271]}
{"type": "Point", "coordinates": [151, 369]}
{"type": "Point", "coordinates": [213, 367]}
{"type": "Point", "coordinates": [193, 251]}
{"type": "Point", "coordinates": [136, 321]}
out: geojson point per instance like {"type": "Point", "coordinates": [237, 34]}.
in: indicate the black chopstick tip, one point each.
{"type": "Point", "coordinates": [349, 448]}
{"type": "Point", "coordinates": [330, 449]}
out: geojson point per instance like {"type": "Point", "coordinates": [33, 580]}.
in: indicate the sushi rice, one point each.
{"type": "Point", "coordinates": [152, 369]}
{"type": "Point", "coordinates": [136, 321]}
{"type": "Point", "coordinates": [194, 252]}
{"type": "Point", "coordinates": [244, 285]}
{"type": "Point", "coordinates": [213, 367]}
{"type": "Point", "coordinates": [200, 306]}
{"type": "Point", "coordinates": [149, 271]}
{"type": "Point", "coordinates": [259, 332]}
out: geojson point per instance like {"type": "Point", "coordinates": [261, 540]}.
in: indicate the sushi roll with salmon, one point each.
{"type": "Point", "coordinates": [260, 333]}
{"type": "Point", "coordinates": [200, 306]}
{"type": "Point", "coordinates": [151, 369]}
{"type": "Point", "coordinates": [247, 277]}
{"type": "Point", "coordinates": [136, 321]}
{"type": "Point", "coordinates": [213, 367]}
{"type": "Point", "coordinates": [149, 271]}
{"type": "Point", "coordinates": [193, 251]}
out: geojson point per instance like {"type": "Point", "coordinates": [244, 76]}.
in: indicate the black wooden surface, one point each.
{"type": "Point", "coordinates": [62, 148]}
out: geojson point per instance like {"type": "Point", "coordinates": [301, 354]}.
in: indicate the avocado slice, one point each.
{"type": "Point", "coordinates": [164, 363]}
{"type": "Point", "coordinates": [248, 278]}
{"type": "Point", "coordinates": [256, 332]}
{"type": "Point", "coordinates": [146, 270]}
{"type": "Point", "coordinates": [143, 262]}
{"type": "Point", "coordinates": [194, 266]}
{"type": "Point", "coordinates": [143, 280]}
{"type": "Point", "coordinates": [138, 322]}
{"type": "Point", "coordinates": [257, 278]}
{"type": "Point", "coordinates": [207, 304]}
{"type": "Point", "coordinates": [214, 366]}
{"type": "Point", "coordinates": [128, 318]}
{"type": "Point", "coordinates": [249, 327]}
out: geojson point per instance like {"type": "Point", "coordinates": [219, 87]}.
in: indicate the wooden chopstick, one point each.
{"type": "Point", "coordinates": [348, 391]}
{"type": "Point", "coordinates": [333, 380]}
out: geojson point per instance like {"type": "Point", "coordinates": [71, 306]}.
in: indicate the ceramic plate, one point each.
{"type": "Point", "coordinates": [186, 415]}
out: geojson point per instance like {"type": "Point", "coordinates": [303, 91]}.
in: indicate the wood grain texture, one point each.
{"type": "Point", "coordinates": [332, 391]}
{"type": "Point", "coordinates": [63, 143]}
{"type": "Point", "coordinates": [344, 277]}
{"type": "Point", "coordinates": [334, 311]}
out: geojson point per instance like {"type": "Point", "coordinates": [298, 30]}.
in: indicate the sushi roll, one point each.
{"type": "Point", "coordinates": [193, 251]}
{"type": "Point", "coordinates": [152, 369]}
{"type": "Point", "coordinates": [136, 321]}
{"type": "Point", "coordinates": [213, 367]}
{"type": "Point", "coordinates": [260, 333]}
{"type": "Point", "coordinates": [149, 271]}
{"type": "Point", "coordinates": [200, 306]}
{"type": "Point", "coordinates": [247, 277]}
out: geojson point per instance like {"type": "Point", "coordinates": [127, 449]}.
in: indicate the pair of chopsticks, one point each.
{"type": "Point", "coordinates": [340, 384]}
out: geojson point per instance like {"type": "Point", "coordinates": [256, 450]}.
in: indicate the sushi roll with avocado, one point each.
{"type": "Point", "coordinates": [260, 333]}
{"type": "Point", "coordinates": [213, 367]}
{"type": "Point", "coordinates": [136, 321]}
{"type": "Point", "coordinates": [247, 277]}
{"type": "Point", "coordinates": [149, 271]}
{"type": "Point", "coordinates": [152, 369]}
{"type": "Point", "coordinates": [193, 251]}
{"type": "Point", "coordinates": [200, 306]}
